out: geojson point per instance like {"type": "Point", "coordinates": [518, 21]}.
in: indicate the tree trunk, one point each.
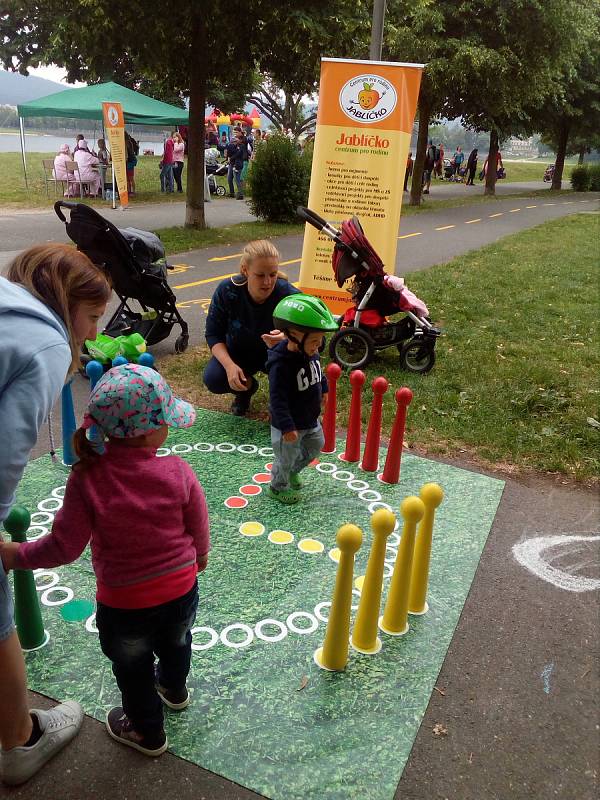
{"type": "Point", "coordinates": [581, 155]}
{"type": "Point", "coordinates": [417, 176]}
{"type": "Point", "coordinates": [194, 210]}
{"type": "Point", "coordinates": [490, 178]}
{"type": "Point", "coordinates": [559, 164]}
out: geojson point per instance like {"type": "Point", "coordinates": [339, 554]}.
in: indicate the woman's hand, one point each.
{"type": "Point", "coordinates": [273, 338]}
{"type": "Point", "coordinates": [290, 436]}
{"type": "Point", "coordinates": [8, 554]}
{"type": "Point", "coordinates": [236, 378]}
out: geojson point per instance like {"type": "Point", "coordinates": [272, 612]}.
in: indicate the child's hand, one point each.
{"type": "Point", "coordinates": [290, 436]}
{"type": "Point", "coordinates": [8, 554]}
{"type": "Point", "coordinates": [202, 562]}
{"type": "Point", "coordinates": [273, 338]}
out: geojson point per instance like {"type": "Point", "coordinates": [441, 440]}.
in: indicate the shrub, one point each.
{"type": "Point", "coordinates": [580, 179]}
{"type": "Point", "coordinates": [594, 170]}
{"type": "Point", "coordinates": [278, 179]}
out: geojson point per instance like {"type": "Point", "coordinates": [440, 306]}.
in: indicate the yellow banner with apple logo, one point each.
{"type": "Point", "coordinates": [114, 127]}
{"type": "Point", "coordinates": [364, 124]}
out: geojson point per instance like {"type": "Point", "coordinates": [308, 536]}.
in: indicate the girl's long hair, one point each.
{"type": "Point", "coordinates": [62, 278]}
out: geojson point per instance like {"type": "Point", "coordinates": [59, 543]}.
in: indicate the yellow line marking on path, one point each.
{"type": "Point", "coordinates": [204, 302]}
{"type": "Point", "coordinates": [408, 235]}
{"type": "Point", "coordinates": [549, 204]}
{"type": "Point", "coordinates": [469, 221]}
{"type": "Point", "coordinates": [568, 202]}
{"type": "Point", "coordinates": [530, 206]}
{"type": "Point", "coordinates": [512, 210]}
{"type": "Point", "coordinates": [499, 214]}
{"type": "Point", "coordinates": [226, 258]}
{"type": "Point", "coordinates": [291, 261]}
{"type": "Point", "coordinates": [445, 227]}
{"type": "Point", "coordinates": [206, 280]}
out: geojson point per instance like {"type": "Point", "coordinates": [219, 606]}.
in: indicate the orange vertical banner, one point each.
{"type": "Point", "coordinates": [364, 124]}
{"type": "Point", "coordinates": [114, 127]}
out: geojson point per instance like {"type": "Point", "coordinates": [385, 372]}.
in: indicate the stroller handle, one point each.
{"type": "Point", "coordinates": [311, 217]}
{"type": "Point", "coordinates": [62, 204]}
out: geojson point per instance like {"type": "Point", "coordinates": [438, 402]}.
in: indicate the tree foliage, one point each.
{"type": "Point", "coordinates": [279, 179]}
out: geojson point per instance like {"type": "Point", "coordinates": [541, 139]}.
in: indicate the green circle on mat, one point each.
{"type": "Point", "coordinates": [76, 610]}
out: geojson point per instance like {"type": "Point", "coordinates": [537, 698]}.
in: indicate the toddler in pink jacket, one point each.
{"type": "Point", "coordinates": [147, 524]}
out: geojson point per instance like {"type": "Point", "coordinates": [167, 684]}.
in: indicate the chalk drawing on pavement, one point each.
{"type": "Point", "coordinates": [577, 553]}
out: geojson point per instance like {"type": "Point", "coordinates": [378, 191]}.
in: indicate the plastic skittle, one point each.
{"type": "Point", "coordinates": [432, 495]}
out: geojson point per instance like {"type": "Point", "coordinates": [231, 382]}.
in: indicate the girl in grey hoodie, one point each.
{"type": "Point", "coordinates": [50, 302]}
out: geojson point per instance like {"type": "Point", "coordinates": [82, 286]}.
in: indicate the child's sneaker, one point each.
{"type": "Point", "coordinates": [295, 481]}
{"type": "Point", "coordinates": [121, 729]}
{"type": "Point", "coordinates": [58, 726]}
{"type": "Point", "coordinates": [177, 699]}
{"type": "Point", "coordinates": [286, 496]}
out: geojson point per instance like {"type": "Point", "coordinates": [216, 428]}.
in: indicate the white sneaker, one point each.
{"type": "Point", "coordinates": [58, 725]}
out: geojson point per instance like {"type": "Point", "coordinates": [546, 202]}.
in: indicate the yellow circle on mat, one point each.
{"type": "Point", "coordinates": [281, 537]}
{"type": "Point", "coordinates": [311, 546]}
{"type": "Point", "coordinates": [252, 529]}
{"type": "Point", "coordinates": [358, 583]}
{"type": "Point", "coordinates": [334, 554]}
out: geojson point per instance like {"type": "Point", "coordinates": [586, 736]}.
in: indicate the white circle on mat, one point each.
{"type": "Point", "coordinates": [326, 467]}
{"type": "Point", "coordinates": [163, 451]}
{"type": "Point", "coordinates": [249, 449]}
{"type": "Point", "coordinates": [291, 622]}
{"type": "Point", "coordinates": [237, 626]}
{"type": "Point", "coordinates": [319, 610]}
{"type": "Point", "coordinates": [270, 637]}
{"type": "Point", "coordinates": [225, 447]}
{"type": "Point", "coordinates": [68, 595]}
{"type": "Point", "coordinates": [372, 507]}
{"type": "Point", "coordinates": [390, 553]}
{"type": "Point", "coordinates": [266, 451]}
{"type": "Point", "coordinates": [44, 504]}
{"type": "Point", "coordinates": [43, 573]}
{"type": "Point", "coordinates": [357, 486]}
{"type": "Point", "coordinates": [214, 637]}
{"type": "Point", "coordinates": [204, 447]}
{"type": "Point", "coordinates": [90, 624]}
{"type": "Point", "coordinates": [182, 448]}
{"type": "Point", "coordinates": [46, 518]}
{"type": "Point", "coordinates": [374, 496]}
{"type": "Point", "coordinates": [40, 531]}
{"type": "Point", "coordinates": [58, 491]}
{"type": "Point", "coordinates": [387, 570]}
{"type": "Point", "coordinates": [343, 475]}
{"type": "Point", "coordinates": [357, 593]}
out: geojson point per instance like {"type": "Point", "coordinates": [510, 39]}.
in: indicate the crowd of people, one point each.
{"type": "Point", "coordinates": [457, 168]}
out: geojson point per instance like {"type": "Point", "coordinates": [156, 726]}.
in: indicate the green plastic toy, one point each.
{"type": "Point", "coordinates": [106, 348]}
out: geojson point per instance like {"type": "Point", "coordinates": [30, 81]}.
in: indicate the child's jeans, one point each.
{"type": "Point", "coordinates": [131, 637]}
{"type": "Point", "coordinates": [293, 456]}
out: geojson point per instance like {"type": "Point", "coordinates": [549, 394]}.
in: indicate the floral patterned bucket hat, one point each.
{"type": "Point", "coordinates": [132, 400]}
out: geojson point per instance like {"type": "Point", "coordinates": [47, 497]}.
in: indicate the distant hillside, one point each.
{"type": "Point", "coordinates": [15, 88]}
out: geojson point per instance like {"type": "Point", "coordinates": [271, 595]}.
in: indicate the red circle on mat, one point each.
{"type": "Point", "coordinates": [250, 488]}
{"type": "Point", "coordinates": [262, 477]}
{"type": "Point", "coordinates": [269, 466]}
{"type": "Point", "coordinates": [236, 502]}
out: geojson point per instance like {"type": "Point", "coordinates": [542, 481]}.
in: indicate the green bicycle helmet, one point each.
{"type": "Point", "coordinates": [304, 313]}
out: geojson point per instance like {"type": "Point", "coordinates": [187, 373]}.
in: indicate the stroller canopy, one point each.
{"type": "Point", "coordinates": [353, 254]}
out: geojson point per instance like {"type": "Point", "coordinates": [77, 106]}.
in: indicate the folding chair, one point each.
{"type": "Point", "coordinates": [72, 168]}
{"type": "Point", "coordinates": [48, 167]}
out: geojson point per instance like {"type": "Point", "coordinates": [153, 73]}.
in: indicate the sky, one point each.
{"type": "Point", "coordinates": [53, 73]}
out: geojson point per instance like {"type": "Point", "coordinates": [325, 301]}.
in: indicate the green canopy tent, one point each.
{"type": "Point", "coordinates": [86, 103]}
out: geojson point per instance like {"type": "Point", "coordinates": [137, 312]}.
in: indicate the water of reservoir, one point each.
{"type": "Point", "coordinates": [49, 143]}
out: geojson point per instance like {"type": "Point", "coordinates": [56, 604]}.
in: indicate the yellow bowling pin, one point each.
{"type": "Point", "coordinates": [364, 633]}
{"type": "Point", "coordinates": [395, 616]}
{"type": "Point", "coordinates": [333, 655]}
{"type": "Point", "coordinates": [432, 495]}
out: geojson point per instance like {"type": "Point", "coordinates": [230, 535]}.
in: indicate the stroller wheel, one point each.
{"type": "Point", "coordinates": [221, 191]}
{"type": "Point", "coordinates": [417, 356]}
{"type": "Point", "coordinates": [181, 343]}
{"type": "Point", "coordinates": [351, 348]}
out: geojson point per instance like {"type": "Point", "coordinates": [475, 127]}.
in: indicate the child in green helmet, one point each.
{"type": "Point", "coordinates": [296, 389]}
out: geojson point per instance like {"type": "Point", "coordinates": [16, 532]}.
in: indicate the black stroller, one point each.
{"type": "Point", "coordinates": [214, 171]}
{"type": "Point", "coordinates": [376, 295]}
{"type": "Point", "coordinates": [135, 262]}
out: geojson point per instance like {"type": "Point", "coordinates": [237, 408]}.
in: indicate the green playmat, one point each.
{"type": "Point", "coordinates": [262, 714]}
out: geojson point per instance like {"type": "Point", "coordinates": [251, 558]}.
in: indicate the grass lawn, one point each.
{"type": "Point", "coordinates": [516, 377]}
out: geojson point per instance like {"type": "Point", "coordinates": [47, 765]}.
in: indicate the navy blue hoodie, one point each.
{"type": "Point", "coordinates": [296, 386]}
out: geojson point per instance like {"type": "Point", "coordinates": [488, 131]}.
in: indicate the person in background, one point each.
{"type": "Point", "coordinates": [235, 157]}
{"type": "Point", "coordinates": [51, 300]}
{"type": "Point", "coordinates": [428, 166]}
{"type": "Point", "coordinates": [132, 149]}
{"type": "Point", "coordinates": [103, 154]}
{"type": "Point", "coordinates": [458, 159]}
{"type": "Point", "coordinates": [61, 159]}
{"type": "Point", "coordinates": [212, 134]}
{"type": "Point", "coordinates": [80, 137]}
{"type": "Point", "coordinates": [471, 167]}
{"type": "Point", "coordinates": [178, 159]}
{"type": "Point", "coordinates": [86, 161]}
{"type": "Point", "coordinates": [240, 321]}
{"type": "Point", "coordinates": [439, 161]}
{"type": "Point", "coordinates": [222, 145]}
{"type": "Point", "coordinates": [409, 170]}
{"type": "Point", "coordinates": [166, 166]}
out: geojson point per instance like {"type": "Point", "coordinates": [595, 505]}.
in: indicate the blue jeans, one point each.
{"type": "Point", "coordinates": [7, 611]}
{"type": "Point", "coordinates": [166, 178]}
{"type": "Point", "coordinates": [215, 377]}
{"type": "Point", "coordinates": [233, 172]}
{"type": "Point", "coordinates": [131, 638]}
{"type": "Point", "coordinates": [294, 456]}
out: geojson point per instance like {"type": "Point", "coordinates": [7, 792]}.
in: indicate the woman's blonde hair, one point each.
{"type": "Point", "coordinates": [62, 278]}
{"type": "Point", "coordinates": [259, 248]}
